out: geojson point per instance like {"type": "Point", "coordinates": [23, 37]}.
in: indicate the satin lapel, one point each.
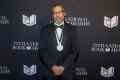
{"type": "Point", "coordinates": [52, 37]}
{"type": "Point", "coordinates": [64, 35]}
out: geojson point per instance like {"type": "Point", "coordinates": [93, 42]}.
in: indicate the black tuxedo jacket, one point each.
{"type": "Point", "coordinates": [48, 52]}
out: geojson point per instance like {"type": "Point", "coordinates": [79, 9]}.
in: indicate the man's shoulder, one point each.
{"type": "Point", "coordinates": [71, 27]}
{"type": "Point", "coordinates": [47, 27]}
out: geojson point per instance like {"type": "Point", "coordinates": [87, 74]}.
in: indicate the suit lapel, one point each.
{"type": "Point", "coordinates": [64, 35]}
{"type": "Point", "coordinates": [52, 38]}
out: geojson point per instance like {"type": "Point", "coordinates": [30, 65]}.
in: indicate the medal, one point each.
{"type": "Point", "coordinates": [59, 47]}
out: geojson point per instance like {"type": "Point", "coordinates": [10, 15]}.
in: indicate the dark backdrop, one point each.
{"type": "Point", "coordinates": [77, 11]}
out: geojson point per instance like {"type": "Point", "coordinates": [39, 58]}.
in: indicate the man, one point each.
{"type": "Point", "coordinates": [58, 52]}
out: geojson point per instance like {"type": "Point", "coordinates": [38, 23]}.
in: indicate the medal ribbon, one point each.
{"type": "Point", "coordinates": [59, 38]}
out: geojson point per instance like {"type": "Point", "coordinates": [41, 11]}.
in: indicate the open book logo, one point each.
{"type": "Point", "coordinates": [29, 21]}
{"type": "Point", "coordinates": [111, 22]}
{"type": "Point", "coordinates": [107, 72]}
{"type": "Point", "coordinates": [30, 70]}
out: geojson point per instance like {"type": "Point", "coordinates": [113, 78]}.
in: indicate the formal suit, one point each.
{"type": "Point", "coordinates": [49, 55]}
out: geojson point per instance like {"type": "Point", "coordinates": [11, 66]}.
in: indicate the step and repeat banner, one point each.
{"type": "Point", "coordinates": [98, 37]}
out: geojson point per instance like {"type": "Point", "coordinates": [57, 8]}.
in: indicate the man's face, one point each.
{"type": "Point", "coordinates": [58, 14]}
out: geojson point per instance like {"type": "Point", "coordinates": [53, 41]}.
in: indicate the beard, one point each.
{"type": "Point", "coordinates": [58, 21]}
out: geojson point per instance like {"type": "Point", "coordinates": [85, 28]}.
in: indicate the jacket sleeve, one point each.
{"type": "Point", "coordinates": [43, 48]}
{"type": "Point", "coordinates": [73, 53]}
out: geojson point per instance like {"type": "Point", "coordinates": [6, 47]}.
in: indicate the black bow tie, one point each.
{"type": "Point", "coordinates": [61, 26]}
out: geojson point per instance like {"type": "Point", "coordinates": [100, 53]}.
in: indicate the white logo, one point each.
{"type": "Point", "coordinates": [4, 20]}
{"type": "Point", "coordinates": [25, 45]}
{"type": "Point", "coordinates": [81, 71]}
{"type": "Point", "coordinates": [29, 21]}
{"type": "Point", "coordinates": [30, 70]}
{"type": "Point", "coordinates": [105, 47]}
{"type": "Point", "coordinates": [107, 72]}
{"type": "Point", "coordinates": [78, 21]}
{"type": "Point", "coordinates": [111, 22]}
{"type": "Point", "coordinates": [4, 70]}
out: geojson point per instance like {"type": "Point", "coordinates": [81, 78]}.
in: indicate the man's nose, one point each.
{"type": "Point", "coordinates": [57, 14]}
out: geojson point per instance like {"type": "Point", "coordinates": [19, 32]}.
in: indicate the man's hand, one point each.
{"type": "Point", "coordinates": [57, 70]}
